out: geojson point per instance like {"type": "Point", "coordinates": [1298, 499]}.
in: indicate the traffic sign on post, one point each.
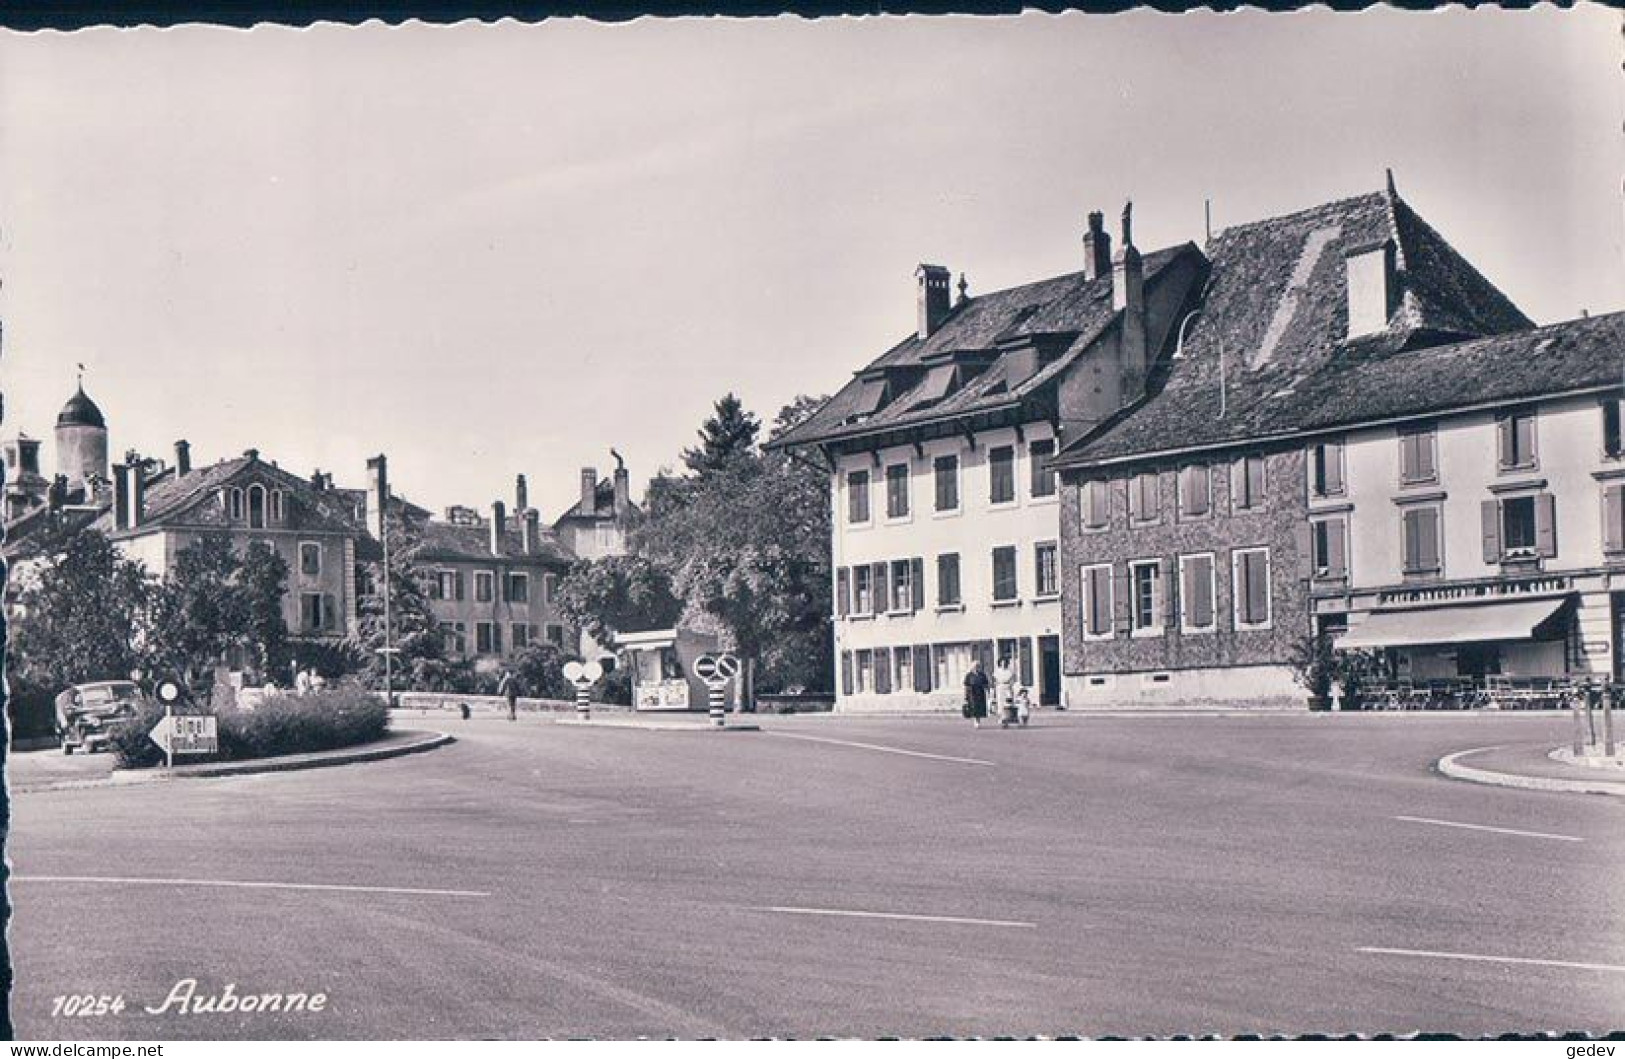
{"type": "Point", "coordinates": [716, 671]}
{"type": "Point", "coordinates": [583, 675]}
{"type": "Point", "coordinates": [186, 734]}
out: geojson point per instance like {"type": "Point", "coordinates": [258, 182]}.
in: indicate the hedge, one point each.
{"type": "Point", "coordinates": [280, 724]}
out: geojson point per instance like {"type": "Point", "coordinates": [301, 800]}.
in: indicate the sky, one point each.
{"type": "Point", "coordinates": [487, 250]}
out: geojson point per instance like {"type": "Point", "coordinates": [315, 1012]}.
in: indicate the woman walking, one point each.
{"type": "Point", "coordinates": [976, 685]}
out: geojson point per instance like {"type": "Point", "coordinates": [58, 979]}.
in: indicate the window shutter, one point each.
{"type": "Point", "coordinates": [1121, 611]}
{"type": "Point", "coordinates": [1425, 444]}
{"type": "Point", "coordinates": [457, 584]}
{"type": "Point", "coordinates": [843, 592]}
{"type": "Point", "coordinates": [922, 669]}
{"type": "Point", "coordinates": [1202, 590]}
{"type": "Point", "coordinates": [1430, 552]}
{"type": "Point", "coordinates": [1303, 535]}
{"type": "Point", "coordinates": [1337, 548]}
{"type": "Point", "coordinates": [877, 580]}
{"type": "Point", "coordinates": [1546, 525]}
{"type": "Point", "coordinates": [1170, 592]}
{"type": "Point", "coordinates": [1509, 451]}
{"type": "Point", "coordinates": [846, 672]}
{"type": "Point", "coordinates": [882, 672]}
{"type": "Point", "coordinates": [1410, 538]}
{"type": "Point", "coordinates": [1188, 590]}
{"type": "Point", "coordinates": [1334, 467]}
{"type": "Point", "coordinates": [1255, 587]}
{"type": "Point", "coordinates": [1611, 440]}
{"type": "Point", "coordinates": [917, 593]}
{"type": "Point", "coordinates": [1525, 425]}
{"type": "Point", "coordinates": [1613, 518]}
{"type": "Point", "coordinates": [1490, 517]}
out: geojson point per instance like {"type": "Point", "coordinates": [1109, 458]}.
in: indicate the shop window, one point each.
{"type": "Point", "coordinates": [1251, 581]}
{"type": "Point", "coordinates": [945, 473]}
{"type": "Point", "coordinates": [897, 491]}
{"type": "Point", "coordinates": [1001, 470]}
{"type": "Point", "coordinates": [1043, 478]}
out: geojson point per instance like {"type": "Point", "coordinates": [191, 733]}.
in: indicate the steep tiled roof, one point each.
{"type": "Point", "coordinates": [1069, 311]}
{"type": "Point", "coordinates": [603, 504]}
{"type": "Point", "coordinates": [453, 543]}
{"type": "Point", "coordinates": [1274, 319]}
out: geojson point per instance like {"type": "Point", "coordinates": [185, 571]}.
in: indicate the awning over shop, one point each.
{"type": "Point", "coordinates": [1470, 623]}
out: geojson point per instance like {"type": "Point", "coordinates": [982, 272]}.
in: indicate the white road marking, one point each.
{"type": "Point", "coordinates": [1485, 827]}
{"type": "Point", "coordinates": [1474, 958]}
{"type": "Point", "coordinates": [242, 885]}
{"type": "Point", "coordinates": [897, 915]}
{"type": "Point", "coordinates": [884, 749]}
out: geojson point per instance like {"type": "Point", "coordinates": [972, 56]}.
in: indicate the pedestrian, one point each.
{"type": "Point", "coordinates": [976, 685]}
{"type": "Point", "coordinates": [318, 683]}
{"type": "Point", "coordinates": [301, 682]}
{"type": "Point", "coordinates": [1024, 705]}
{"type": "Point", "coordinates": [1004, 692]}
{"type": "Point", "coordinates": [509, 689]}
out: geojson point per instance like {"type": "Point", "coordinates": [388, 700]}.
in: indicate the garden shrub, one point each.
{"type": "Point", "coordinates": [279, 724]}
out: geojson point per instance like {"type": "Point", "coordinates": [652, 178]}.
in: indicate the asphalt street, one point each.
{"type": "Point", "coordinates": [1091, 875]}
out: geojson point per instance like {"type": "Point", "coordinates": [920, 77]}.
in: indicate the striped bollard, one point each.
{"type": "Point", "coordinates": [716, 693]}
{"type": "Point", "coordinates": [583, 675]}
{"type": "Point", "coordinates": [583, 703]}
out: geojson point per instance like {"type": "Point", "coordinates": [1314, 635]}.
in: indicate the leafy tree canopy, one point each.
{"type": "Point", "coordinates": [82, 617]}
{"type": "Point", "coordinates": [727, 437]}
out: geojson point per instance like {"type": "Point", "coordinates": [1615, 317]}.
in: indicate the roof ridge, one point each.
{"type": "Point", "coordinates": [1300, 214]}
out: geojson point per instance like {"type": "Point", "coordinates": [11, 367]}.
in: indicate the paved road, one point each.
{"type": "Point", "coordinates": [1096, 875]}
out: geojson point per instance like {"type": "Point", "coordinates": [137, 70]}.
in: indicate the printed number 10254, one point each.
{"type": "Point", "coordinates": [86, 1005]}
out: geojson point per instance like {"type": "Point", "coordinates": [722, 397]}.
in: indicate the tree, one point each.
{"type": "Point", "coordinates": [419, 661]}
{"type": "Point", "coordinates": [747, 542]}
{"type": "Point", "coordinates": [211, 606]}
{"type": "Point", "coordinates": [540, 669]}
{"type": "Point", "coordinates": [81, 619]}
{"type": "Point", "coordinates": [726, 437]}
{"type": "Point", "coordinates": [264, 579]}
{"type": "Point", "coordinates": [624, 593]}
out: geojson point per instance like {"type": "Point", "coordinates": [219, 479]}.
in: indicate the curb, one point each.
{"type": "Point", "coordinates": [289, 763]}
{"type": "Point", "coordinates": [661, 726]}
{"type": "Point", "coordinates": [1450, 766]}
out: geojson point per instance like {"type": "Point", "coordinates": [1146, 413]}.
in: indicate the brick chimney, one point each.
{"type": "Point", "coordinates": [589, 490]}
{"type": "Point", "coordinates": [183, 458]}
{"type": "Point", "coordinates": [138, 491]}
{"type": "Point", "coordinates": [377, 494]}
{"type": "Point", "coordinates": [1128, 297]}
{"type": "Point", "coordinates": [532, 530]}
{"type": "Point", "coordinates": [521, 495]}
{"type": "Point", "coordinates": [499, 526]}
{"type": "Point", "coordinates": [1097, 247]}
{"type": "Point", "coordinates": [623, 490]}
{"type": "Point", "coordinates": [933, 298]}
{"type": "Point", "coordinates": [121, 496]}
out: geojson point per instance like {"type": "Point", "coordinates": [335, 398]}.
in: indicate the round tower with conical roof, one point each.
{"type": "Point", "coordinates": [81, 441]}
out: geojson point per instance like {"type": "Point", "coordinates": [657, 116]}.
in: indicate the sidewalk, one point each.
{"type": "Point", "coordinates": [1532, 766]}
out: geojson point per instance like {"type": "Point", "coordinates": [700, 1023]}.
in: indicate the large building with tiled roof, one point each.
{"type": "Point", "coordinates": [1323, 446]}
{"type": "Point", "coordinates": [946, 526]}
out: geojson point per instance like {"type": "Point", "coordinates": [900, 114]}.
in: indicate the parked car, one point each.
{"type": "Point", "coordinates": [86, 714]}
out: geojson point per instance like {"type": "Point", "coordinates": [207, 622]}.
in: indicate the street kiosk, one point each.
{"type": "Point", "coordinates": [661, 662]}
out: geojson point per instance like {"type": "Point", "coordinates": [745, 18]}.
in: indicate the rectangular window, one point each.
{"type": "Point", "coordinates": [897, 491]}
{"type": "Point", "coordinates": [857, 496]}
{"type": "Point", "coordinates": [882, 671]}
{"type": "Point", "coordinates": [1196, 592]}
{"type": "Point", "coordinates": [1001, 473]}
{"type": "Point", "coordinates": [518, 588]}
{"type": "Point", "coordinates": [863, 595]}
{"type": "Point", "coordinates": [1420, 531]}
{"type": "Point", "coordinates": [310, 558]}
{"type": "Point", "coordinates": [1523, 527]}
{"type": "Point", "coordinates": [1251, 581]}
{"type": "Point", "coordinates": [1195, 491]}
{"type": "Point", "coordinates": [903, 668]}
{"type": "Point", "coordinates": [1517, 441]}
{"type": "Point", "coordinates": [902, 586]}
{"type": "Point", "coordinates": [948, 594]}
{"type": "Point", "coordinates": [452, 638]}
{"type": "Point", "coordinates": [1417, 462]}
{"type": "Point", "coordinates": [843, 592]}
{"type": "Point", "coordinates": [864, 672]}
{"type": "Point", "coordinates": [1247, 483]}
{"type": "Point", "coordinates": [1146, 598]}
{"type": "Point", "coordinates": [846, 673]}
{"type": "Point", "coordinates": [922, 669]}
{"type": "Point", "coordinates": [1144, 499]}
{"type": "Point", "coordinates": [555, 635]}
{"type": "Point", "coordinates": [1097, 600]}
{"type": "Point", "coordinates": [1518, 527]}
{"type": "Point", "coordinates": [1004, 574]}
{"type": "Point", "coordinates": [1043, 478]}
{"type": "Point", "coordinates": [550, 587]}
{"type": "Point", "coordinates": [1046, 572]}
{"type": "Point", "coordinates": [945, 472]}
{"type": "Point", "coordinates": [1326, 469]}
{"type": "Point", "coordinates": [310, 611]}
{"type": "Point", "coordinates": [521, 635]}
{"type": "Point", "coordinates": [483, 582]}
{"type": "Point", "coordinates": [1613, 436]}
{"type": "Point", "coordinates": [1095, 499]}
{"type": "Point", "coordinates": [444, 585]}
{"type": "Point", "coordinates": [485, 638]}
{"type": "Point", "coordinates": [952, 661]}
{"type": "Point", "coordinates": [1329, 551]}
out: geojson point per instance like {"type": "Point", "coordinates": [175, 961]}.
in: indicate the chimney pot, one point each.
{"type": "Point", "coordinates": [121, 496]}
{"type": "Point", "coordinates": [1097, 247]}
{"type": "Point", "coordinates": [521, 494]}
{"type": "Point", "coordinates": [933, 283]}
{"type": "Point", "coordinates": [532, 531]}
{"type": "Point", "coordinates": [183, 458]}
{"type": "Point", "coordinates": [589, 490]}
{"type": "Point", "coordinates": [623, 490]}
{"type": "Point", "coordinates": [499, 526]}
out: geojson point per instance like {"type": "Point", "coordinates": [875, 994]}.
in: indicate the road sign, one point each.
{"type": "Point", "coordinates": [187, 734]}
{"type": "Point", "coordinates": [705, 667]}
{"type": "Point", "coordinates": [727, 667]}
{"type": "Point", "coordinates": [168, 692]}
{"type": "Point", "coordinates": [583, 674]}
{"type": "Point", "coordinates": [716, 670]}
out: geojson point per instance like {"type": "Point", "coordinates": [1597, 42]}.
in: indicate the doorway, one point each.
{"type": "Point", "coordinates": [1049, 669]}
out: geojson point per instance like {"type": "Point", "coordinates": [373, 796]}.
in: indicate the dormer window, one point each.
{"type": "Point", "coordinates": [256, 507]}
{"type": "Point", "coordinates": [276, 505]}
{"type": "Point", "coordinates": [234, 505]}
{"type": "Point", "coordinates": [1370, 289]}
